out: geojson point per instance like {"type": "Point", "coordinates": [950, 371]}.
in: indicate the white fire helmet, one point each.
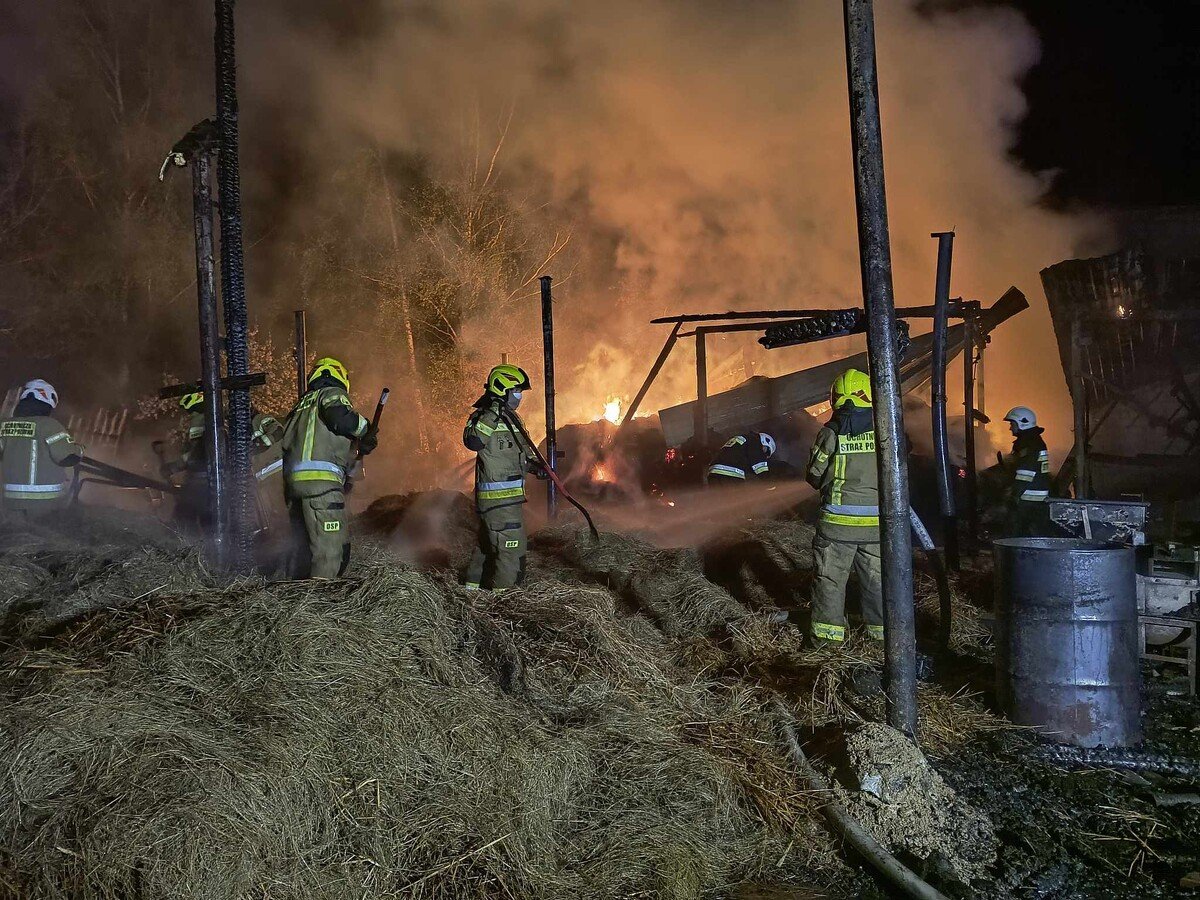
{"type": "Point", "coordinates": [1023, 417]}
{"type": "Point", "coordinates": [768, 444]}
{"type": "Point", "coordinates": [40, 390]}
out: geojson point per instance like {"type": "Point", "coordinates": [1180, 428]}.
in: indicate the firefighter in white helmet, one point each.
{"type": "Point", "coordinates": [1029, 472]}
{"type": "Point", "coordinates": [35, 452]}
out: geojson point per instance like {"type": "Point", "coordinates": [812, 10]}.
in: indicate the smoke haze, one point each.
{"type": "Point", "coordinates": [696, 154]}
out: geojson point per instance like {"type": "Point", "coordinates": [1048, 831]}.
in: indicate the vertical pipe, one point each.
{"type": "Point", "coordinates": [300, 352]}
{"type": "Point", "coordinates": [233, 292]}
{"type": "Point", "coordinates": [700, 422]}
{"type": "Point", "coordinates": [900, 646]}
{"type": "Point", "coordinates": [548, 358]}
{"type": "Point", "coordinates": [1079, 402]}
{"type": "Point", "coordinates": [941, 444]}
{"type": "Point", "coordinates": [969, 424]}
{"type": "Point", "coordinates": [210, 360]}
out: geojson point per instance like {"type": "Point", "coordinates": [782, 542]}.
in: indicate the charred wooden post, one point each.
{"type": "Point", "coordinates": [969, 424]}
{"type": "Point", "coordinates": [900, 647]}
{"type": "Point", "coordinates": [233, 293]}
{"type": "Point", "coordinates": [300, 352]}
{"type": "Point", "coordinates": [941, 445]}
{"type": "Point", "coordinates": [665, 352]}
{"type": "Point", "coordinates": [548, 359]}
{"type": "Point", "coordinates": [210, 359]}
{"type": "Point", "coordinates": [701, 420]}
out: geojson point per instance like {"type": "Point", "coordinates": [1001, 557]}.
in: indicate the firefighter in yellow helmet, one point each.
{"type": "Point", "coordinates": [318, 451]}
{"type": "Point", "coordinates": [188, 468]}
{"type": "Point", "coordinates": [502, 459]}
{"type": "Point", "coordinates": [35, 452]}
{"type": "Point", "coordinates": [842, 467]}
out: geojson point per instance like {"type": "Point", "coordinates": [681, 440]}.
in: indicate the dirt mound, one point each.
{"type": "Point", "coordinates": [885, 782]}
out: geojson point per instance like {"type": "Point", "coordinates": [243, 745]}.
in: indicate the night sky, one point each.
{"type": "Point", "coordinates": [1115, 100]}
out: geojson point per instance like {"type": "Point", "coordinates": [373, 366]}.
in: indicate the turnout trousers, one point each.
{"type": "Point", "coordinates": [498, 560]}
{"type": "Point", "coordinates": [321, 540]}
{"type": "Point", "coordinates": [834, 561]}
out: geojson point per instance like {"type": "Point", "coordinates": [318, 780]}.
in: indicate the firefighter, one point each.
{"type": "Point", "coordinates": [267, 462]}
{"type": "Point", "coordinates": [35, 452]}
{"type": "Point", "coordinates": [189, 468]}
{"type": "Point", "coordinates": [318, 451]}
{"type": "Point", "coordinates": [842, 467]}
{"type": "Point", "coordinates": [502, 459]}
{"type": "Point", "coordinates": [744, 457]}
{"type": "Point", "coordinates": [1029, 465]}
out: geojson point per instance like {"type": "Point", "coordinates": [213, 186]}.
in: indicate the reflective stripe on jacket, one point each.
{"type": "Point", "coordinates": [501, 457]}
{"type": "Point", "coordinates": [32, 452]}
{"type": "Point", "coordinates": [842, 466]}
{"type": "Point", "coordinates": [318, 439]}
{"type": "Point", "coordinates": [742, 458]}
{"type": "Point", "coordinates": [1030, 462]}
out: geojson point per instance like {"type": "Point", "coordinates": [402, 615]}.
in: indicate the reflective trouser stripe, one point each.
{"type": "Point", "coordinates": [315, 470]}
{"type": "Point", "coordinates": [270, 470]}
{"type": "Point", "coordinates": [829, 632]}
{"type": "Point", "coordinates": [760, 467]}
{"type": "Point", "coordinates": [1025, 474]}
{"type": "Point", "coordinates": [500, 490]}
{"type": "Point", "coordinates": [33, 491]}
{"type": "Point", "coordinates": [854, 516]}
{"type": "Point", "coordinates": [727, 471]}
{"type": "Point", "coordinates": [472, 585]}
{"type": "Point", "coordinates": [1036, 496]}
{"type": "Point", "coordinates": [875, 632]}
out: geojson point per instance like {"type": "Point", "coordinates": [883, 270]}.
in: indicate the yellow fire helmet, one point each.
{"type": "Point", "coordinates": [854, 387]}
{"type": "Point", "coordinates": [327, 365]}
{"type": "Point", "coordinates": [505, 378]}
{"type": "Point", "coordinates": [191, 401]}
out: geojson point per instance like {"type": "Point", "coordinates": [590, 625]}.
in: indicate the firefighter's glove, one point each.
{"type": "Point", "coordinates": [535, 468]}
{"type": "Point", "coordinates": [370, 440]}
{"type": "Point", "coordinates": [71, 461]}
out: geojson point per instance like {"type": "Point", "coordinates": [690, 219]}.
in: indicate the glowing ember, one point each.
{"type": "Point", "coordinates": [600, 472]}
{"type": "Point", "coordinates": [612, 410]}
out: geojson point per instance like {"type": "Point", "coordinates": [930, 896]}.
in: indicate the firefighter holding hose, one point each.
{"type": "Point", "coordinates": [842, 466]}
{"type": "Point", "coordinates": [35, 452]}
{"type": "Point", "coordinates": [320, 441]}
{"type": "Point", "coordinates": [503, 456]}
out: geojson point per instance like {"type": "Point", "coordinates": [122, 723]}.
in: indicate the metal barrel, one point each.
{"type": "Point", "coordinates": [1067, 640]}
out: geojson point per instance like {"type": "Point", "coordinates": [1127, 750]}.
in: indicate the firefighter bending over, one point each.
{"type": "Point", "coordinates": [35, 452]}
{"type": "Point", "coordinates": [318, 451]}
{"type": "Point", "coordinates": [842, 467]}
{"type": "Point", "coordinates": [189, 468]}
{"type": "Point", "coordinates": [1025, 500]}
{"type": "Point", "coordinates": [743, 458]}
{"type": "Point", "coordinates": [501, 461]}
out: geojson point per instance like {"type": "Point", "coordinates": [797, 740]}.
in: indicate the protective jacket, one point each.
{"type": "Point", "coordinates": [34, 449]}
{"type": "Point", "coordinates": [842, 466]}
{"type": "Point", "coordinates": [742, 458]}
{"type": "Point", "coordinates": [318, 439]}
{"type": "Point", "coordinates": [502, 455]}
{"type": "Point", "coordinates": [1030, 464]}
{"type": "Point", "coordinates": [268, 449]}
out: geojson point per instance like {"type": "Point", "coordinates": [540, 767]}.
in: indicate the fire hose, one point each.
{"type": "Point", "coordinates": [514, 422]}
{"type": "Point", "coordinates": [939, 574]}
{"type": "Point", "coordinates": [845, 827]}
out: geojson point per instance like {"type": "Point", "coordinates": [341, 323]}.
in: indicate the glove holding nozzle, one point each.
{"type": "Point", "coordinates": [536, 469]}
{"type": "Point", "coordinates": [370, 439]}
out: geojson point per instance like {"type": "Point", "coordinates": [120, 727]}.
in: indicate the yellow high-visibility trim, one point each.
{"type": "Point", "coordinates": [875, 632]}
{"type": "Point", "coordinates": [829, 632]}
{"type": "Point", "coordinates": [314, 476]}
{"type": "Point", "coordinates": [485, 430]}
{"type": "Point", "coordinates": [505, 494]}
{"type": "Point", "coordinates": [853, 521]}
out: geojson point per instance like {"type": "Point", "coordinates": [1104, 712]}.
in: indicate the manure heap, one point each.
{"type": "Point", "coordinates": [599, 733]}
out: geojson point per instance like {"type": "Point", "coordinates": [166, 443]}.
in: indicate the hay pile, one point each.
{"type": "Point", "coordinates": [388, 735]}
{"type": "Point", "coordinates": [604, 732]}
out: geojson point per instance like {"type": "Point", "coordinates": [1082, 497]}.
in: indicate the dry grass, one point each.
{"type": "Point", "coordinates": [604, 732]}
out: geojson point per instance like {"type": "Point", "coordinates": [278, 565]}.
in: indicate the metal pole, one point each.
{"type": "Point", "coordinates": [941, 444]}
{"type": "Point", "coordinates": [700, 420]}
{"type": "Point", "coordinates": [210, 359]}
{"type": "Point", "coordinates": [548, 356]}
{"type": "Point", "coordinates": [969, 426]}
{"type": "Point", "coordinates": [233, 292]}
{"type": "Point", "coordinates": [300, 352]}
{"type": "Point", "coordinates": [900, 646]}
{"type": "Point", "coordinates": [1079, 399]}
{"type": "Point", "coordinates": [667, 347]}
